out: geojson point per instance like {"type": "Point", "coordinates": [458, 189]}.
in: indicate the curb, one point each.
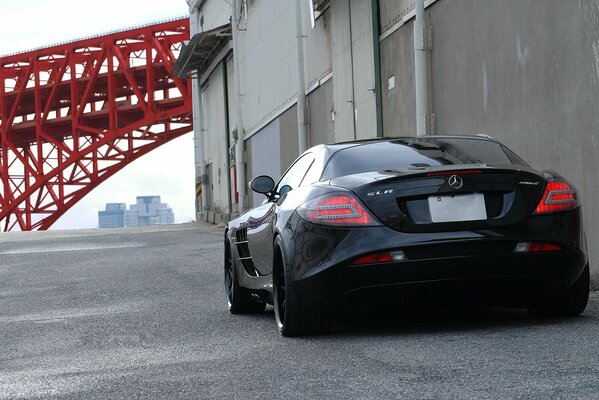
{"type": "Point", "coordinates": [215, 217]}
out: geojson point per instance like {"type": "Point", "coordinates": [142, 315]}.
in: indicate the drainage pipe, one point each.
{"type": "Point", "coordinates": [353, 75]}
{"type": "Point", "coordinates": [200, 167]}
{"type": "Point", "coordinates": [302, 112]}
{"type": "Point", "coordinates": [239, 145]}
{"type": "Point", "coordinates": [377, 67]}
{"type": "Point", "coordinates": [421, 71]}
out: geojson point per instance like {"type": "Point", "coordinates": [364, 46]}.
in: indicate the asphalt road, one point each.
{"type": "Point", "coordinates": [141, 314]}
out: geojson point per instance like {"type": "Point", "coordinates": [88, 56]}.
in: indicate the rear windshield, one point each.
{"type": "Point", "coordinates": [416, 153]}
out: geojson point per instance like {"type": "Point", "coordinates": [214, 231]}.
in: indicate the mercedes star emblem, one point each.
{"type": "Point", "coordinates": [455, 182]}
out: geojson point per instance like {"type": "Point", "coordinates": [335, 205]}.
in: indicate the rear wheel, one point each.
{"type": "Point", "coordinates": [239, 299]}
{"type": "Point", "coordinates": [570, 303]}
{"type": "Point", "coordinates": [293, 318]}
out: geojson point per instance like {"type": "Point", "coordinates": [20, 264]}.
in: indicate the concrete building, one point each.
{"type": "Point", "coordinates": [148, 210]}
{"type": "Point", "coordinates": [524, 72]}
{"type": "Point", "coordinates": [113, 216]}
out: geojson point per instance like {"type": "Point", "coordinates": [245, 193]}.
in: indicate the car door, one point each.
{"type": "Point", "coordinates": [261, 221]}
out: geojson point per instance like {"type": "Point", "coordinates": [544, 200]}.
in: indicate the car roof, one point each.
{"type": "Point", "coordinates": [335, 147]}
{"type": "Point", "coordinates": [389, 139]}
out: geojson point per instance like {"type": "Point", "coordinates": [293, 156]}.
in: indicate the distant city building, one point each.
{"type": "Point", "coordinates": [131, 216]}
{"type": "Point", "coordinates": [113, 216]}
{"type": "Point", "coordinates": [147, 211]}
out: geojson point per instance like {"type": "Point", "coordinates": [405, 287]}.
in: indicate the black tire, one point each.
{"type": "Point", "coordinates": [571, 302]}
{"type": "Point", "coordinates": [293, 318]}
{"type": "Point", "coordinates": [239, 300]}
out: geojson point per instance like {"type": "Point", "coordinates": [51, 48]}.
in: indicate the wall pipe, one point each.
{"type": "Point", "coordinates": [421, 71]}
{"type": "Point", "coordinates": [240, 144]}
{"type": "Point", "coordinates": [200, 167]}
{"type": "Point", "coordinates": [377, 68]}
{"type": "Point", "coordinates": [227, 130]}
{"type": "Point", "coordinates": [302, 112]}
{"type": "Point", "coordinates": [353, 75]}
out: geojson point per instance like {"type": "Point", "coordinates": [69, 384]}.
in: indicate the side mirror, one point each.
{"type": "Point", "coordinates": [262, 184]}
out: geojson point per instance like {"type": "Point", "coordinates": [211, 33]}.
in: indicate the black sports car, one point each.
{"type": "Point", "coordinates": [373, 220]}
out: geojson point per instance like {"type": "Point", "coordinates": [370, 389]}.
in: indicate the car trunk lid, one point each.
{"type": "Point", "coordinates": [454, 197]}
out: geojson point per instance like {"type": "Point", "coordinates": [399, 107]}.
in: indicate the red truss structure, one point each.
{"type": "Point", "coordinates": [72, 115]}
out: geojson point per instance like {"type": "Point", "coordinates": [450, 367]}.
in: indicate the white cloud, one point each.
{"type": "Point", "coordinates": [169, 170]}
{"type": "Point", "coordinates": [29, 24]}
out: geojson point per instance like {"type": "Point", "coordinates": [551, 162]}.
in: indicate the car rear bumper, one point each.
{"type": "Point", "coordinates": [504, 278]}
{"type": "Point", "coordinates": [479, 262]}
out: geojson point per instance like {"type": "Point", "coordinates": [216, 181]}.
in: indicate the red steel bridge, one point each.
{"type": "Point", "coordinates": [74, 114]}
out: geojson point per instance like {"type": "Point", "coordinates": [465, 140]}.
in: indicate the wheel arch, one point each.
{"type": "Point", "coordinates": [275, 235]}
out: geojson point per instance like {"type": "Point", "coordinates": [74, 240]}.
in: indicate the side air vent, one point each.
{"type": "Point", "coordinates": [244, 252]}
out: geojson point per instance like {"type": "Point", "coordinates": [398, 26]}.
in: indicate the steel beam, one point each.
{"type": "Point", "coordinates": [74, 114]}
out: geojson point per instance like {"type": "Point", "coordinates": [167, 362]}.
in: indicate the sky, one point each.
{"type": "Point", "coordinates": [167, 171]}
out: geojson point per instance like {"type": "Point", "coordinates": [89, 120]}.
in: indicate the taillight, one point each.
{"type": "Point", "coordinates": [455, 172]}
{"type": "Point", "coordinates": [337, 209]}
{"type": "Point", "coordinates": [379, 258]}
{"type": "Point", "coordinates": [558, 196]}
{"type": "Point", "coordinates": [533, 247]}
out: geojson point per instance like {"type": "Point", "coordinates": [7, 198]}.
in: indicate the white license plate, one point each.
{"type": "Point", "coordinates": [463, 207]}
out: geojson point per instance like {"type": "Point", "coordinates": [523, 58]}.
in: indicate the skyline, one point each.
{"type": "Point", "coordinates": [168, 170]}
{"type": "Point", "coordinates": [147, 210]}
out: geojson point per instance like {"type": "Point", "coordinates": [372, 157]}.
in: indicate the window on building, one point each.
{"type": "Point", "coordinates": [317, 8]}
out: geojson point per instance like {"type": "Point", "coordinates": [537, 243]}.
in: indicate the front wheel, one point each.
{"type": "Point", "coordinates": [570, 303]}
{"type": "Point", "coordinates": [239, 300]}
{"type": "Point", "coordinates": [292, 316]}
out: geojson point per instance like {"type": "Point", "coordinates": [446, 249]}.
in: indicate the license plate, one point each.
{"type": "Point", "coordinates": [463, 207]}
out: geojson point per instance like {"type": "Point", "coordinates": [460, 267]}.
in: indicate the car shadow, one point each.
{"type": "Point", "coordinates": [449, 319]}
{"type": "Point", "coordinates": [446, 320]}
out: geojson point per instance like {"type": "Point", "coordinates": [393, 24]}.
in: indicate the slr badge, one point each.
{"type": "Point", "coordinates": [379, 192]}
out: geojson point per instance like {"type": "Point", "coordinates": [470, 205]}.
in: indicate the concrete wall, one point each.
{"type": "Point", "coordinates": [215, 139]}
{"type": "Point", "coordinates": [264, 156]}
{"type": "Point", "coordinates": [213, 14]}
{"type": "Point", "coordinates": [272, 149]}
{"type": "Point", "coordinates": [289, 149]}
{"type": "Point", "coordinates": [321, 105]}
{"type": "Point", "coordinates": [318, 61]}
{"type": "Point", "coordinates": [353, 69]}
{"type": "Point", "coordinates": [269, 59]}
{"type": "Point", "coordinates": [397, 68]}
{"type": "Point", "coordinates": [268, 72]}
{"type": "Point", "coordinates": [525, 72]}
{"type": "Point", "coordinates": [392, 11]}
